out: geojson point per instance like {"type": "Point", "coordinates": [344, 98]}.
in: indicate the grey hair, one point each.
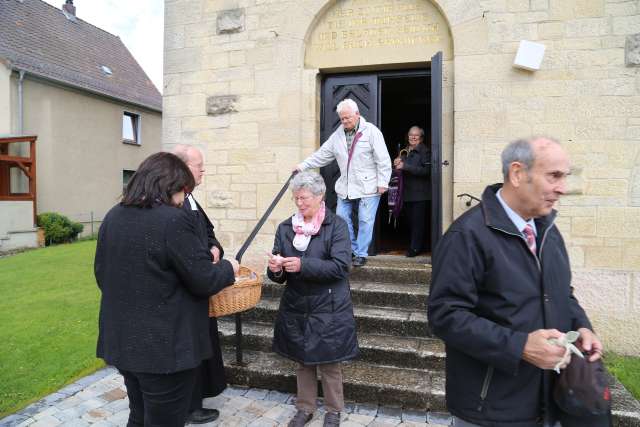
{"type": "Point", "coordinates": [308, 180]}
{"type": "Point", "coordinates": [347, 104]}
{"type": "Point", "coordinates": [419, 130]}
{"type": "Point", "coordinates": [521, 150]}
{"type": "Point", "coordinates": [182, 151]}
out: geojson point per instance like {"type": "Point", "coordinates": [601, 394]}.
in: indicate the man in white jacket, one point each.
{"type": "Point", "coordinates": [365, 169]}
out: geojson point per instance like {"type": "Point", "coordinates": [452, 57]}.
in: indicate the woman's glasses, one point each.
{"type": "Point", "coordinates": [301, 198]}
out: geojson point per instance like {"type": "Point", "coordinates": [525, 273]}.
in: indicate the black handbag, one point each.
{"type": "Point", "coordinates": [583, 395]}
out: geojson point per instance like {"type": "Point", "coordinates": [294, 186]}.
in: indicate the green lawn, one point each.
{"type": "Point", "coordinates": [48, 322]}
{"type": "Point", "coordinates": [627, 370]}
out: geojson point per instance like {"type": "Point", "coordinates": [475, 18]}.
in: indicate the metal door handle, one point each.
{"type": "Point", "coordinates": [445, 163]}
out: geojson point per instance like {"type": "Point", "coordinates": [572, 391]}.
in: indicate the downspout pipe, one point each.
{"type": "Point", "coordinates": [21, 103]}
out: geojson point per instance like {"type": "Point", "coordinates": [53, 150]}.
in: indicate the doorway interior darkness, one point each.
{"type": "Point", "coordinates": [394, 101]}
{"type": "Point", "coordinates": [404, 101]}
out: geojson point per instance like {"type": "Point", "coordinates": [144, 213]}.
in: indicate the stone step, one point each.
{"type": "Point", "coordinates": [367, 383]}
{"type": "Point", "coordinates": [400, 295]}
{"type": "Point", "coordinates": [391, 272]}
{"type": "Point", "coordinates": [408, 352]}
{"type": "Point", "coordinates": [363, 382]}
{"type": "Point", "coordinates": [624, 407]}
{"type": "Point", "coordinates": [369, 319]}
{"type": "Point", "coordinates": [399, 260]}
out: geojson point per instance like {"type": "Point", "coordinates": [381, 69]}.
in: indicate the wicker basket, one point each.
{"type": "Point", "coordinates": [242, 295]}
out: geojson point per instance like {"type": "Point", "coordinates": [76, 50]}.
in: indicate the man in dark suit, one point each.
{"type": "Point", "coordinates": [211, 380]}
{"type": "Point", "coordinates": [501, 290]}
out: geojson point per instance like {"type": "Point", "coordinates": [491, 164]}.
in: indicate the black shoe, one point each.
{"type": "Point", "coordinates": [203, 416]}
{"type": "Point", "coordinates": [300, 419]}
{"type": "Point", "coordinates": [359, 261]}
{"type": "Point", "coordinates": [411, 253]}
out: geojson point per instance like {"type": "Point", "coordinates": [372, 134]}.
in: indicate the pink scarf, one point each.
{"type": "Point", "coordinates": [304, 230]}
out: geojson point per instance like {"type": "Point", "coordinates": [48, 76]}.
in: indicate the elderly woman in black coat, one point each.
{"type": "Point", "coordinates": [155, 276]}
{"type": "Point", "coordinates": [315, 325]}
{"type": "Point", "coordinates": [416, 193]}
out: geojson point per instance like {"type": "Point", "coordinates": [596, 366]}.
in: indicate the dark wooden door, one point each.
{"type": "Point", "coordinates": [436, 149]}
{"type": "Point", "coordinates": [363, 89]}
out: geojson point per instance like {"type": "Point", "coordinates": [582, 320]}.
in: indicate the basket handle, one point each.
{"type": "Point", "coordinates": [264, 218]}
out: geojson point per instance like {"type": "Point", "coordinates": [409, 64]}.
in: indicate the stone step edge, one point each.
{"type": "Point", "coordinates": [227, 328]}
{"type": "Point", "coordinates": [272, 304]}
{"type": "Point", "coordinates": [434, 394]}
{"type": "Point", "coordinates": [360, 286]}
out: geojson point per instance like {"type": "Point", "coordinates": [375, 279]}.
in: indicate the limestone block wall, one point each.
{"type": "Point", "coordinates": [237, 86]}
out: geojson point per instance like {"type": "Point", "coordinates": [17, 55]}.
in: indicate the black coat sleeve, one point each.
{"type": "Point", "coordinates": [98, 260]}
{"type": "Point", "coordinates": [211, 235]}
{"type": "Point", "coordinates": [277, 249]}
{"type": "Point", "coordinates": [192, 261]}
{"type": "Point", "coordinates": [418, 166]}
{"type": "Point", "coordinates": [211, 239]}
{"type": "Point", "coordinates": [336, 265]}
{"type": "Point", "coordinates": [579, 318]}
{"type": "Point", "coordinates": [457, 270]}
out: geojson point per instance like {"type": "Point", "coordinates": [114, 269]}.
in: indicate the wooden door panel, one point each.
{"type": "Point", "coordinates": [436, 149]}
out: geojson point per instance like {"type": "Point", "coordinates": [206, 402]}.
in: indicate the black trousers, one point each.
{"type": "Point", "coordinates": [416, 213]}
{"type": "Point", "coordinates": [210, 377]}
{"type": "Point", "coordinates": [159, 400]}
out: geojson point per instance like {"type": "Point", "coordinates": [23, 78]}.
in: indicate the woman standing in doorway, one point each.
{"type": "Point", "coordinates": [416, 187]}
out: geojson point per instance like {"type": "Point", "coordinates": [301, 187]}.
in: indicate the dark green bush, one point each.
{"type": "Point", "coordinates": [58, 228]}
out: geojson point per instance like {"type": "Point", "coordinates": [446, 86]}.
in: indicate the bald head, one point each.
{"type": "Point", "coordinates": [192, 156]}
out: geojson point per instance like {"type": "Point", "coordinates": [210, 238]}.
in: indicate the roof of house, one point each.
{"type": "Point", "coordinates": [42, 40]}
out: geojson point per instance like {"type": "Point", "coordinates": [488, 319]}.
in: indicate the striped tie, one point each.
{"type": "Point", "coordinates": [530, 237]}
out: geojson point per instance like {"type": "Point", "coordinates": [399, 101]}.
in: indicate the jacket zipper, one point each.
{"type": "Point", "coordinates": [544, 238]}
{"type": "Point", "coordinates": [485, 387]}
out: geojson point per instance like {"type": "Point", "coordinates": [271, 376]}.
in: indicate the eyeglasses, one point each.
{"type": "Point", "coordinates": [302, 198]}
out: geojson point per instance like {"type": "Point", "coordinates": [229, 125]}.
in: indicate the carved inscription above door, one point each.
{"type": "Point", "coordinates": [357, 32]}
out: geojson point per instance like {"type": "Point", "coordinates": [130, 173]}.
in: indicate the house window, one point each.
{"type": "Point", "coordinates": [130, 128]}
{"type": "Point", "coordinates": [18, 181]}
{"type": "Point", "coordinates": [126, 177]}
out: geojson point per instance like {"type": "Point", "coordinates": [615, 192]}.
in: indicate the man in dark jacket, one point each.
{"type": "Point", "coordinates": [211, 380]}
{"type": "Point", "coordinates": [501, 289]}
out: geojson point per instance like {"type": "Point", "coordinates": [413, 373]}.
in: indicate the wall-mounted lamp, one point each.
{"type": "Point", "coordinates": [529, 56]}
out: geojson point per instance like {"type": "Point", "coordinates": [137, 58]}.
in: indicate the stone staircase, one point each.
{"type": "Point", "coordinates": [401, 364]}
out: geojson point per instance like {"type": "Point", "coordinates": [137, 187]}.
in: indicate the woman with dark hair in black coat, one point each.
{"type": "Point", "coordinates": [155, 276]}
{"type": "Point", "coordinates": [315, 325]}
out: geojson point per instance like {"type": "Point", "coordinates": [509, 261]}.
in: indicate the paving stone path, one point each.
{"type": "Point", "coordinates": [100, 400]}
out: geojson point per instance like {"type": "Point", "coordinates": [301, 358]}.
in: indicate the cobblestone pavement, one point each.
{"type": "Point", "coordinates": [100, 400]}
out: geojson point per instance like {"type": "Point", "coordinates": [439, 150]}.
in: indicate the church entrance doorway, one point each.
{"type": "Point", "coordinates": [394, 101]}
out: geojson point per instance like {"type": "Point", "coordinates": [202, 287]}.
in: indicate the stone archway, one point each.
{"type": "Point", "coordinates": [462, 24]}
{"type": "Point", "coordinates": [357, 35]}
